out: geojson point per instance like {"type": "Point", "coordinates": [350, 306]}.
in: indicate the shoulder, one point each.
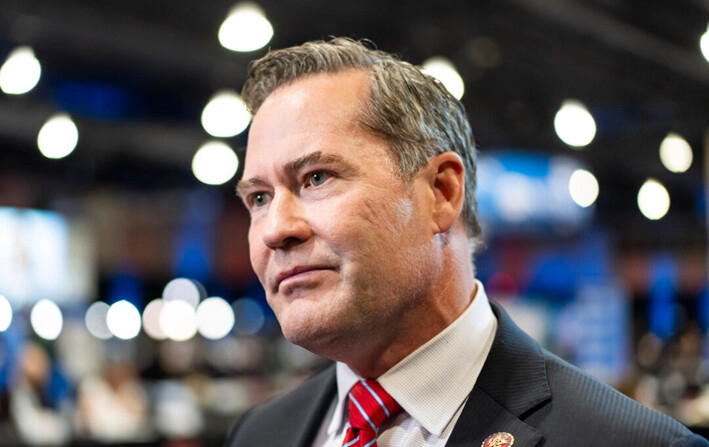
{"type": "Point", "coordinates": [565, 404]}
{"type": "Point", "coordinates": [279, 420]}
{"type": "Point", "coordinates": [591, 410]}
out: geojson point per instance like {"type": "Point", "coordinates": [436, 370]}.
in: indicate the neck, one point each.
{"type": "Point", "coordinates": [451, 292]}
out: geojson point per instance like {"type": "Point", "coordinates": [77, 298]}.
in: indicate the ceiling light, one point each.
{"type": "Point", "coordinates": [20, 72]}
{"type": "Point", "coordinates": [5, 313]}
{"type": "Point", "coordinates": [225, 115]}
{"type": "Point", "coordinates": [123, 320]}
{"type": "Point", "coordinates": [58, 136]}
{"type": "Point", "coordinates": [246, 28]}
{"type": "Point", "coordinates": [184, 289]}
{"type": "Point", "coordinates": [178, 320]}
{"type": "Point", "coordinates": [653, 200]}
{"type": "Point", "coordinates": [215, 318]}
{"type": "Point", "coordinates": [704, 44]}
{"type": "Point", "coordinates": [444, 70]}
{"type": "Point", "coordinates": [46, 319]}
{"type": "Point", "coordinates": [95, 320]}
{"type": "Point", "coordinates": [583, 187]}
{"type": "Point", "coordinates": [574, 124]}
{"type": "Point", "coordinates": [675, 153]}
{"type": "Point", "coordinates": [215, 163]}
{"type": "Point", "coordinates": [151, 319]}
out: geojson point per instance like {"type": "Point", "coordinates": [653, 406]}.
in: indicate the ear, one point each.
{"type": "Point", "coordinates": [446, 177]}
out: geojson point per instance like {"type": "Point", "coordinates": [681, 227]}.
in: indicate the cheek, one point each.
{"type": "Point", "coordinates": [386, 218]}
{"type": "Point", "coordinates": [347, 224]}
{"type": "Point", "coordinates": [362, 229]}
{"type": "Point", "coordinates": [257, 252]}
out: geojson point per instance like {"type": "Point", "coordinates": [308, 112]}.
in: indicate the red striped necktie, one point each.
{"type": "Point", "coordinates": [369, 407]}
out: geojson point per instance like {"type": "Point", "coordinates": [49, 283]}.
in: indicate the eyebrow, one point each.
{"type": "Point", "coordinates": [243, 185]}
{"type": "Point", "coordinates": [296, 165]}
{"type": "Point", "coordinates": [315, 157]}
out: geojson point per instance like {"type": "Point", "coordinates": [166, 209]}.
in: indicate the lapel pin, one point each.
{"type": "Point", "coordinates": [501, 439]}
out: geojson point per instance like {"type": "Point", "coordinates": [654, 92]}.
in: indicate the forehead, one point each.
{"type": "Point", "coordinates": [320, 90]}
{"type": "Point", "coordinates": [311, 113]}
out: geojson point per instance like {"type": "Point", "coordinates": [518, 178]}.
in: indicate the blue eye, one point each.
{"type": "Point", "coordinates": [317, 178]}
{"type": "Point", "coordinates": [258, 200]}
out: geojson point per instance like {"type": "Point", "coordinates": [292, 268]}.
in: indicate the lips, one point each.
{"type": "Point", "coordinates": [285, 274]}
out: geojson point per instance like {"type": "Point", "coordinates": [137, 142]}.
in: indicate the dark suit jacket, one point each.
{"type": "Point", "coordinates": [522, 389]}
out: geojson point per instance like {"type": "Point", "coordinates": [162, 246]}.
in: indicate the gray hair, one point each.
{"type": "Point", "coordinates": [412, 111]}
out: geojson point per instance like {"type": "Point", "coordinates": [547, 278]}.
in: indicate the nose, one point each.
{"type": "Point", "coordinates": [286, 224]}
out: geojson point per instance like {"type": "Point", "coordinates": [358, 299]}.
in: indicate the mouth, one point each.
{"type": "Point", "coordinates": [301, 271]}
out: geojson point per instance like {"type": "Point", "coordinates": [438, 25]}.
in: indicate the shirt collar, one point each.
{"type": "Point", "coordinates": [433, 382]}
{"type": "Point", "coordinates": [346, 379]}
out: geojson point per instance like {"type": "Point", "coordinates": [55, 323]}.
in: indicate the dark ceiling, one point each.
{"type": "Point", "coordinates": [135, 75]}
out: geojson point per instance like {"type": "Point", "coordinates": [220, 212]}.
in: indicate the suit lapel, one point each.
{"type": "Point", "coordinates": [305, 426]}
{"type": "Point", "coordinates": [489, 418]}
{"type": "Point", "coordinates": [512, 384]}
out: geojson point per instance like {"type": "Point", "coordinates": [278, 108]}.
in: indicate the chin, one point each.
{"type": "Point", "coordinates": [310, 340]}
{"type": "Point", "coordinates": [312, 335]}
{"type": "Point", "coordinates": [315, 322]}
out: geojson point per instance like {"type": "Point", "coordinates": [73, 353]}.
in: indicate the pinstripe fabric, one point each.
{"type": "Point", "coordinates": [369, 407]}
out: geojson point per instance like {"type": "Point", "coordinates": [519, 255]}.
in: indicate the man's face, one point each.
{"type": "Point", "coordinates": [341, 244]}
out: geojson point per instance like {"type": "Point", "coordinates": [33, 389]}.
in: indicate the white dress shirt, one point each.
{"type": "Point", "coordinates": [431, 384]}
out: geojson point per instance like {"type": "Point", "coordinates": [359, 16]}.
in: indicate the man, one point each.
{"type": "Point", "coordinates": [360, 180]}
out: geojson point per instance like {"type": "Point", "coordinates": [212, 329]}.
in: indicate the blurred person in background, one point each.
{"type": "Point", "coordinates": [178, 417]}
{"type": "Point", "coordinates": [673, 376]}
{"type": "Point", "coordinates": [39, 402]}
{"type": "Point", "coordinates": [113, 407]}
{"type": "Point", "coordinates": [360, 182]}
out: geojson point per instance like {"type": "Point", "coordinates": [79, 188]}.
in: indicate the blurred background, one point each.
{"type": "Point", "coordinates": [129, 314]}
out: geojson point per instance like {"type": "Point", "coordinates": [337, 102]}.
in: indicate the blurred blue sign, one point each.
{"type": "Point", "coordinates": [525, 192]}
